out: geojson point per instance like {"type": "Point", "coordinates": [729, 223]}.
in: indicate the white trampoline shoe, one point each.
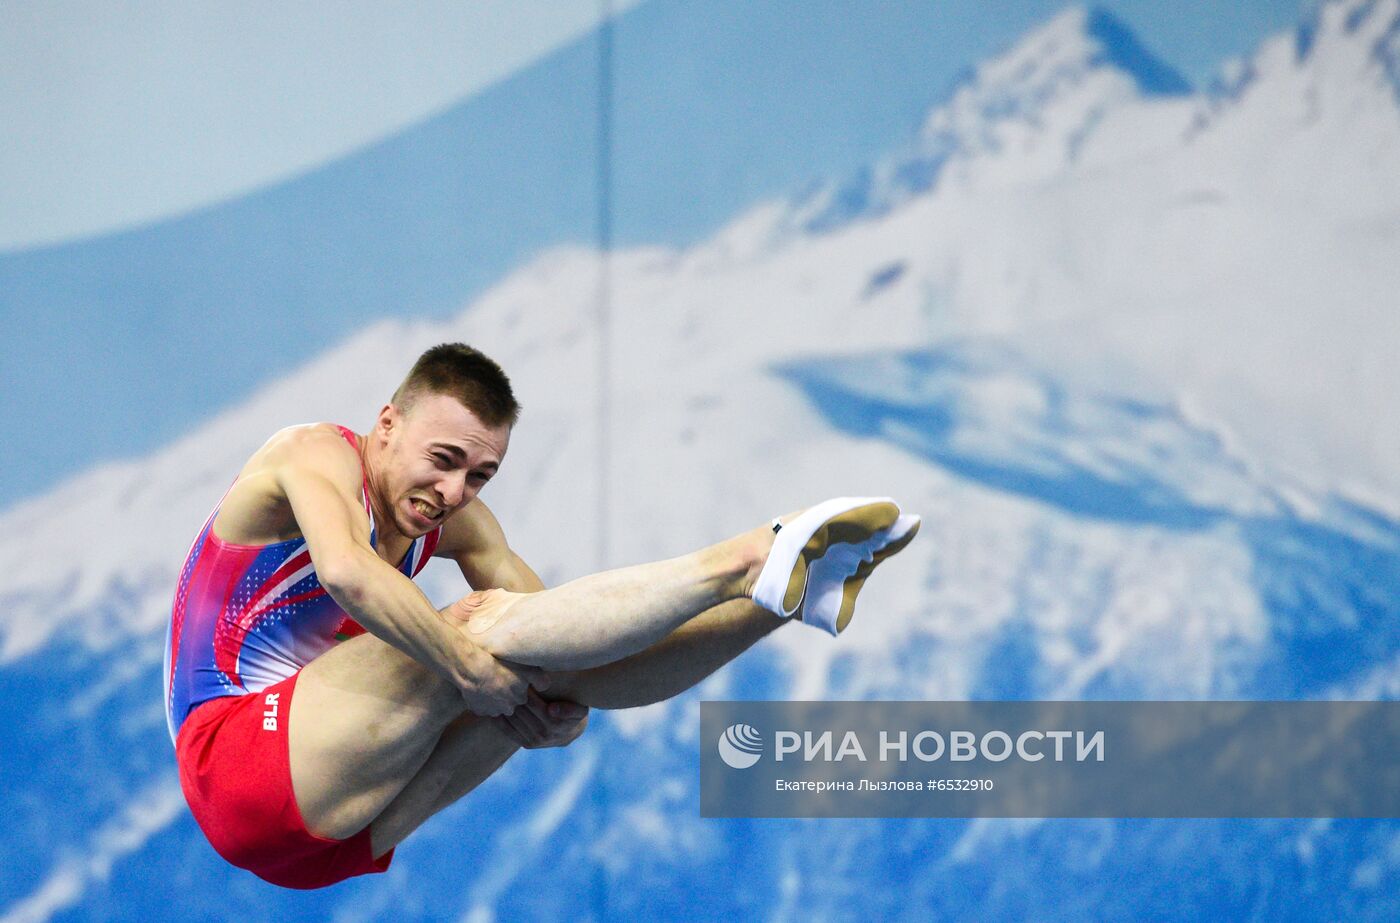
{"type": "Point", "coordinates": [821, 559]}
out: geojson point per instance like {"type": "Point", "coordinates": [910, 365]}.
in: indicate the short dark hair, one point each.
{"type": "Point", "coordinates": [469, 375]}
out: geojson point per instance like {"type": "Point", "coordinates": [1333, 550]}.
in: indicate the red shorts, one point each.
{"type": "Point", "coordinates": [237, 779]}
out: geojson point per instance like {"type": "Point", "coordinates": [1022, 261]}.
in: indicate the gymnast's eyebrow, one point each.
{"type": "Point", "coordinates": [461, 454]}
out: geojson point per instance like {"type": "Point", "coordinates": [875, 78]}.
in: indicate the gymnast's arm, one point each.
{"type": "Point", "coordinates": [319, 475]}
{"type": "Point", "coordinates": [474, 539]}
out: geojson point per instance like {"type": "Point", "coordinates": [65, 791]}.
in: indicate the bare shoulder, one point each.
{"type": "Point", "coordinates": [472, 529]}
{"type": "Point", "coordinates": [318, 446]}
{"type": "Point", "coordinates": [476, 541]}
{"type": "Point", "coordinates": [256, 510]}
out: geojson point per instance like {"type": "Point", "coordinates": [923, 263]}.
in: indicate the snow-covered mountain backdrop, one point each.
{"type": "Point", "coordinates": [1130, 348]}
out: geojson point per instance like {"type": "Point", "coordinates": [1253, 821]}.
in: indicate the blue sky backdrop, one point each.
{"type": "Point", "coordinates": [117, 344]}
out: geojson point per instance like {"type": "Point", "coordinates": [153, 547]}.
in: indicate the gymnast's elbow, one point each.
{"type": "Point", "coordinates": [348, 579]}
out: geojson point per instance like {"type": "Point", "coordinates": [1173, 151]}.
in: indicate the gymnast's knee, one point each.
{"type": "Point", "coordinates": [481, 610]}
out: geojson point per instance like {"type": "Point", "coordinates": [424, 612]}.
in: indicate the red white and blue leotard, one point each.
{"type": "Point", "coordinates": [248, 616]}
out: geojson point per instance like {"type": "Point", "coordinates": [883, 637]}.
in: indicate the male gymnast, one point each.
{"type": "Point", "coordinates": [322, 708]}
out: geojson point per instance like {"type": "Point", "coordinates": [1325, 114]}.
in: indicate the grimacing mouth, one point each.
{"type": "Point", "coordinates": [426, 509]}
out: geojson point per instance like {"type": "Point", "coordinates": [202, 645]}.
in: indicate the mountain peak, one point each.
{"type": "Point", "coordinates": [1121, 48]}
{"type": "Point", "coordinates": [1022, 114]}
{"type": "Point", "coordinates": [1341, 55]}
{"type": "Point", "coordinates": [1079, 40]}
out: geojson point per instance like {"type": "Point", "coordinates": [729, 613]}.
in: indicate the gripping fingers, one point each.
{"type": "Point", "coordinates": [566, 711]}
{"type": "Point", "coordinates": [511, 729]}
{"type": "Point", "coordinates": [527, 733]}
{"type": "Point", "coordinates": [537, 678]}
{"type": "Point", "coordinates": [514, 686]}
{"type": "Point", "coordinates": [531, 719]}
{"type": "Point", "coordinates": [538, 723]}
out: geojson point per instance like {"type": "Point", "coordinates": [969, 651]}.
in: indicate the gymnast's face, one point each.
{"type": "Point", "coordinates": [437, 457]}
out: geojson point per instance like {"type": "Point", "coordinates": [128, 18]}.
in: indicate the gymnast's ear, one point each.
{"type": "Point", "coordinates": [390, 419]}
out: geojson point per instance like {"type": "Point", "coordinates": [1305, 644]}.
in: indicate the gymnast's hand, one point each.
{"type": "Point", "coordinates": [538, 724]}
{"type": "Point", "coordinates": [492, 687]}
